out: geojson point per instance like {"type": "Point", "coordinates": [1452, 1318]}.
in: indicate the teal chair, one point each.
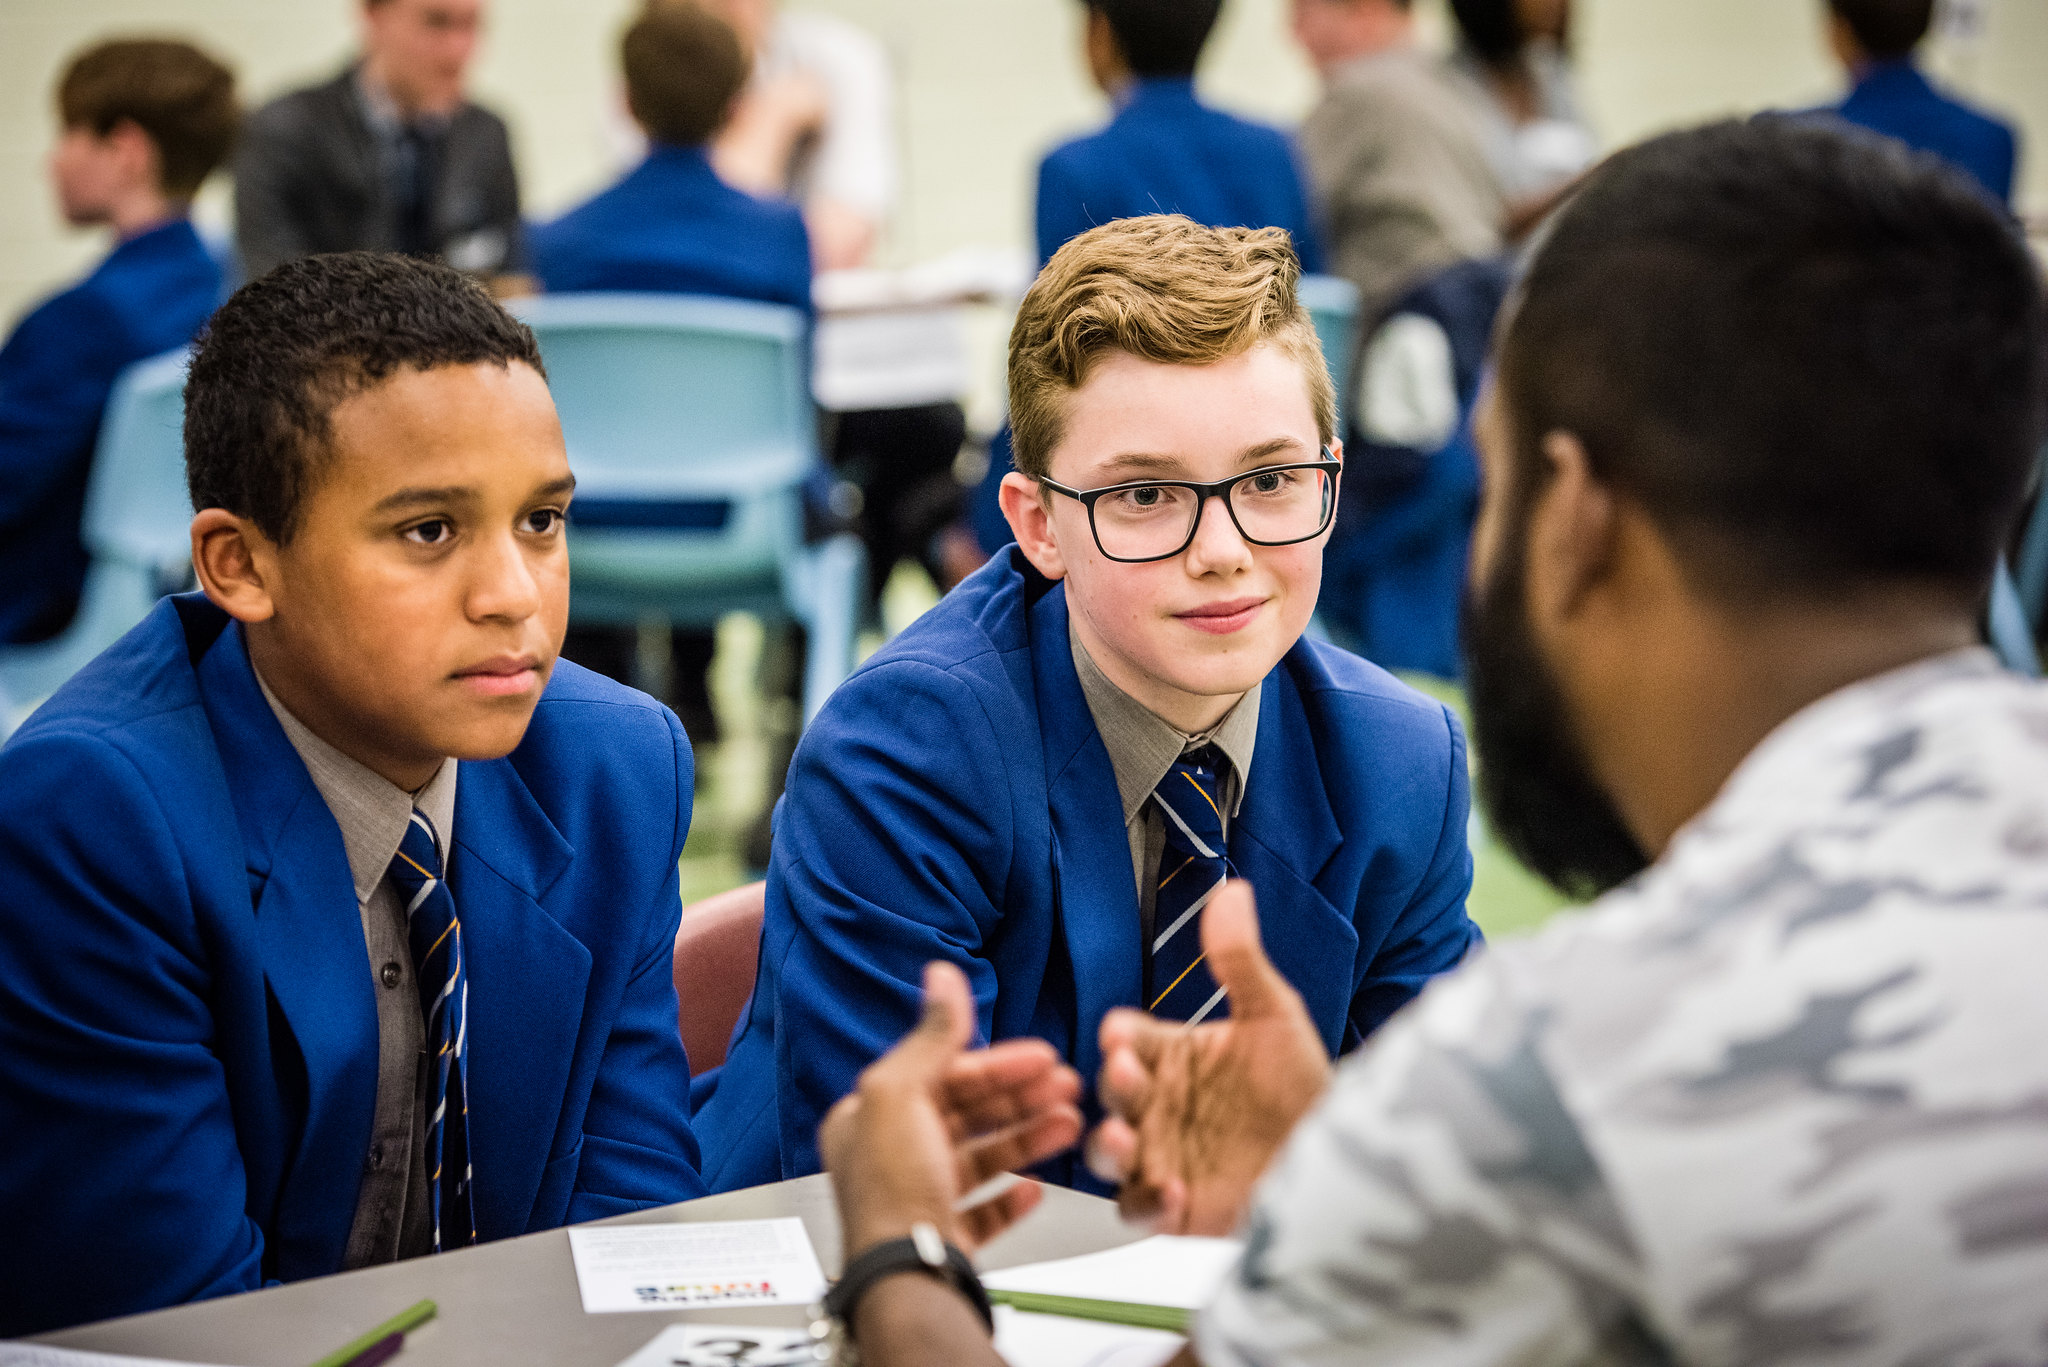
{"type": "Point", "coordinates": [1333, 304]}
{"type": "Point", "coordinates": [691, 430]}
{"type": "Point", "coordinates": [2030, 567]}
{"type": "Point", "coordinates": [137, 530]}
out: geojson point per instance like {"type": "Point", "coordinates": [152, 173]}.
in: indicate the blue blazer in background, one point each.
{"type": "Point", "coordinates": [188, 1029]}
{"type": "Point", "coordinates": [672, 226]}
{"type": "Point", "coordinates": [1895, 99]}
{"type": "Point", "coordinates": [150, 295]}
{"type": "Point", "coordinates": [953, 800]}
{"type": "Point", "coordinates": [1165, 152]}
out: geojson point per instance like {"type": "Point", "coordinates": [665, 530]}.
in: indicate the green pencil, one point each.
{"type": "Point", "coordinates": [410, 1318]}
{"type": "Point", "coordinates": [1167, 1317]}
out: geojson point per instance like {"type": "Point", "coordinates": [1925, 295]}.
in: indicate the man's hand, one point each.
{"type": "Point", "coordinates": [930, 1120]}
{"type": "Point", "coordinates": [1196, 1115]}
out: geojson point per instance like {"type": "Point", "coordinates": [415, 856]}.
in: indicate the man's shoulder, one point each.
{"type": "Point", "coordinates": [305, 111]}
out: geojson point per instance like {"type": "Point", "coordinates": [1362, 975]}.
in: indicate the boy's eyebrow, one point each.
{"type": "Point", "coordinates": [1273, 447]}
{"type": "Point", "coordinates": [1147, 462]}
{"type": "Point", "coordinates": [405, 498]}
{"type": "Point", "coordinates": [462, 493]}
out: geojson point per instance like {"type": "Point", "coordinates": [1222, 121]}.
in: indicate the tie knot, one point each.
{"type": "Point", "coordinates": [418, 860]}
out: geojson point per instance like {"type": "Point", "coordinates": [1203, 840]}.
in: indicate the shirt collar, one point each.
{"type": "Point", "coordinates": [1143, 746]}
{"type": "Point", "coordinates": [371, 810]}
{"type": "Point", "coordinates": [386, 119]}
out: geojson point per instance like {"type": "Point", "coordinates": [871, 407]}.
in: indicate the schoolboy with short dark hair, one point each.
{"type": "Point", "coordinates": [1164, 150]}
{"type": "Point", "coordinates": [339, 912]}
{"type": "Point", "coordinates": [1043, 779]}
{"type": "Point", "coordinates": [144, 122]}
{"type": "Point", "coordinates": [1876, 42]}
{"type": "Point", "coordinates": [671, 224]}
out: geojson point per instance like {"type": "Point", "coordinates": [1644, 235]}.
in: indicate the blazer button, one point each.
{"type": "Point", "coordinates": [374, 1159]}
{"type": "Point", "coordinates": [393, 975]}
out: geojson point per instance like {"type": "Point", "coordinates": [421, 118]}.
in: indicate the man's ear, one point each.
{"type": "Point", "coordinates": [1573, 524]}
{"type": "Point", "coordinates": [1024, 508]}
{"type": "Point", "coordinates": [236, 563]}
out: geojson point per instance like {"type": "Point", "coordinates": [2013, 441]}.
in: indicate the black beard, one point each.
{"type": "Point", "coordinates": [1534, 782]}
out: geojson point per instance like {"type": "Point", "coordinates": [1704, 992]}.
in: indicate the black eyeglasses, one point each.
{"type": "Point", "coordinates": [1156, 519]}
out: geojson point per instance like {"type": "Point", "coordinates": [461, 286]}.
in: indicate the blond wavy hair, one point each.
{"type": "Point", "coordinates": [1161, 288]}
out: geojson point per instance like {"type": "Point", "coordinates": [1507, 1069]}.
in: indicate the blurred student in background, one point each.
{"type": "Point", "coordinates": [1164, 151]}
{"type": "Point", "coordinates": [143, 123]}
{"type": "Point", "coordinates": [673, 226]}
{"type": "Point", "coordinates": [813, 125]}
{"type": "Point", "coordinates": [390, 155]}
{"type": "Point", "coordinates": [1876, 40]}
{"type": "Point", "coordinates": [1512, 65]}
{"type": "Point", "coordinates": [1395, 157]}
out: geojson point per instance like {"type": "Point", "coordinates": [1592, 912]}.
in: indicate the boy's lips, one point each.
{"type": "Point", "coordinates": [1224, 616]}
{"type": "Point", "coordinates": [502, 675]}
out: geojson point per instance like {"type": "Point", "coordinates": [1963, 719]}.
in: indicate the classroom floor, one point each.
{"type": "Point", "coordinates": [1506, 899]}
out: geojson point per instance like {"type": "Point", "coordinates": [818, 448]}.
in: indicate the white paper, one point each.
{"type": "Point", "coordinates": [1164, 1270]}
{"type": "Point", "coordinates": [727, 1345]}
{"type": "Point", "coordinates": [1055, 1341]}
{"type": "Point", "coordinates": [696, 1266]}
{"type": "Point", "coordinates": [37, 1355]}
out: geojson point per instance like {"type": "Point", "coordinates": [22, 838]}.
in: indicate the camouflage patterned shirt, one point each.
{"type": "Point", "coordinates": [1781, 1100]}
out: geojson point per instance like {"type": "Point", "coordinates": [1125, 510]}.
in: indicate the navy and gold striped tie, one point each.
{"type": "Point", "coordinates": [435, 932]}
{"type": "Point", "coordinates": [1193, 864]}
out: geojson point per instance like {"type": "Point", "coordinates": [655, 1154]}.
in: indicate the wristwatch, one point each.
{"type": "Point", "coordinates": [925, 1251]}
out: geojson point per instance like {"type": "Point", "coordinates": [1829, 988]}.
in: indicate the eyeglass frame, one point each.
{"type": "Point", "coordinates": [1218, 489]}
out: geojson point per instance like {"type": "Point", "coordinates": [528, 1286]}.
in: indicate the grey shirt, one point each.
{"type": "Point", "coordinates": [391, 1220]}
{"type": "Point", "coordinates": [1398, 168]}
{"type": "Point", "coordinates": [1142, 748]}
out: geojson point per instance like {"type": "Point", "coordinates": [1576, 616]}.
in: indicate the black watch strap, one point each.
{"type": "Point", "coordinates": [924, 1251]}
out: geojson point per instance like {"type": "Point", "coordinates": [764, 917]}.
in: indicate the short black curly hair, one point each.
{"type": "Point", "coordinates": [287, 348]}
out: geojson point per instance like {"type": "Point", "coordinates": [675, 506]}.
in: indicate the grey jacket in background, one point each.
{"type": "Point", "coordinates": [1400, 177]}
{"type": "Point", "coordinates": [309, 177]}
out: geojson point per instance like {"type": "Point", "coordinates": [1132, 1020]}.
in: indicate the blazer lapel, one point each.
{"type": "Point", "coordinates": [1098, 898]}
{"type": "Point", "coordinates": [314, 960]}
{"type": "Point", "coordinates": [527, 980]}
{"type": "Point", "coordinates": [1284, 835]}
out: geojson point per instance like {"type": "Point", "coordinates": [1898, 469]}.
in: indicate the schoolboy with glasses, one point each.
{"type": "Point", "coordinates": [1045, 778]}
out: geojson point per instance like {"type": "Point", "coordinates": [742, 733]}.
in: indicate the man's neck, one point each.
{"type": "Point", "coordinates": [1707, 693]}
{"type": "Point", "coordinates": [142, 211]}
{"type": "Point", "coordinates": [1380, 29]}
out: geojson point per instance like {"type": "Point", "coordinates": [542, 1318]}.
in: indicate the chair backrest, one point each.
{"type": "Point", "coordinates": [717, 946]}
{"type": "Point", "coordinates": [669, 396]}
{"type": "Point", "coordinates": [137, 510]}
{"type": "Point", "coordinates": [1332, 302]}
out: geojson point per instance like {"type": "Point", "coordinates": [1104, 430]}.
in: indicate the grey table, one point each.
{"type": "Point", "coordinates": [515, 1302]}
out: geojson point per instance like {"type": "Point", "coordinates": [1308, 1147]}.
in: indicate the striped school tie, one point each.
{"type": "Point", "coordinates": [1192, 866]}
{"type": "Point", "coordinates": [436, 935]}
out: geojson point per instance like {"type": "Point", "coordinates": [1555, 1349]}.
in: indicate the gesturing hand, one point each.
{"type": "Point", "coordinates": [1195, 1115]}
{"type": "Point", "coordinates": [930, 1120]}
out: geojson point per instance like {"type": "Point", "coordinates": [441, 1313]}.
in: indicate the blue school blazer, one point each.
{"type": "Point", "coordinates": [188, 1030]}
{"type": "Point", "coordinates": [954, 801]}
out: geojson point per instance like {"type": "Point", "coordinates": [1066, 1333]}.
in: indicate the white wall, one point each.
{"type": "Point", "coordinates": [986, 84]}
